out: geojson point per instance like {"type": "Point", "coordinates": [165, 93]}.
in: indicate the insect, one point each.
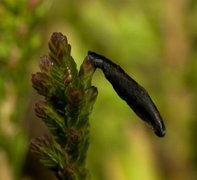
{"type": "Point", "coordinates": [130, 91]}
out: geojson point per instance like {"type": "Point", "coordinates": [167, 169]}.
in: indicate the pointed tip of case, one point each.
{"type": "Point", "coordinates": [160, 133]}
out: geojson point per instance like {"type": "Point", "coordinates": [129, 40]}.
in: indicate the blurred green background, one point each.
{"type": "Point", "coordinates": [155, 41]}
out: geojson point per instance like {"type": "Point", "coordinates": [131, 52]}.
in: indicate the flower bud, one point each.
{"type": "Point", "coordinates": [74, 137]}
{"type": "Point", "coordinates": [86, 71]}
{"type": "Point", "coordinates": [58, 46]}
{"type": "Point", "coordinates": [45, 64]}
{"type": "Point", "coordinates": [75, 96]}
{"type": "Point", "coordinates": [39, 142]}
{"type": "Point", "coordinates": [40, 109]}
{"type": "Point", "coordinates": [42, 83]}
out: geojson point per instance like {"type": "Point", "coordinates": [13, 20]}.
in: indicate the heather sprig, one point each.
{"type": "Point", "coordinates": [65, 110]}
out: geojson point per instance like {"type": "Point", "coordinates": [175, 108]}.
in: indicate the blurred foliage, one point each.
{"type": "Point", "coordinates": [155, 41]}
{"type": "Point", "coordinates": [19, 43]}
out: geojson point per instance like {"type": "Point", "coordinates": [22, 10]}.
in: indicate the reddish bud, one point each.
{"type": "Point", "coordinates": [57, 37]}
{"type": "Point", "coordinates": [86, 72]}
{"type": "Point", "coordinates": [58, 45]}
{"type": "Point", "coordinates": [42, 83]}
{"type": "Point", "coordinates": [37, 144]}
{"type": "Point", "coordinates": [40, 109]}
{"type": "Point", "coordinates": [69, 172]}
{"type": "Point", "coordinates": [45, 63]}
{"type": "Point", "coordinates": [75, 96]}
{"type": "Point", "coordinates": [74, 136]}
{"type": "Point", "coordinates": [87, 68]}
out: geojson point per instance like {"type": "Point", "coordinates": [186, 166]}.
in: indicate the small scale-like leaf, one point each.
{"type": "Point", "coordinates": [53, 120]}
{"type": "Point", "coordinates": [49, 152]}
{"type": "Point", "coordinates": [87, 105]}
